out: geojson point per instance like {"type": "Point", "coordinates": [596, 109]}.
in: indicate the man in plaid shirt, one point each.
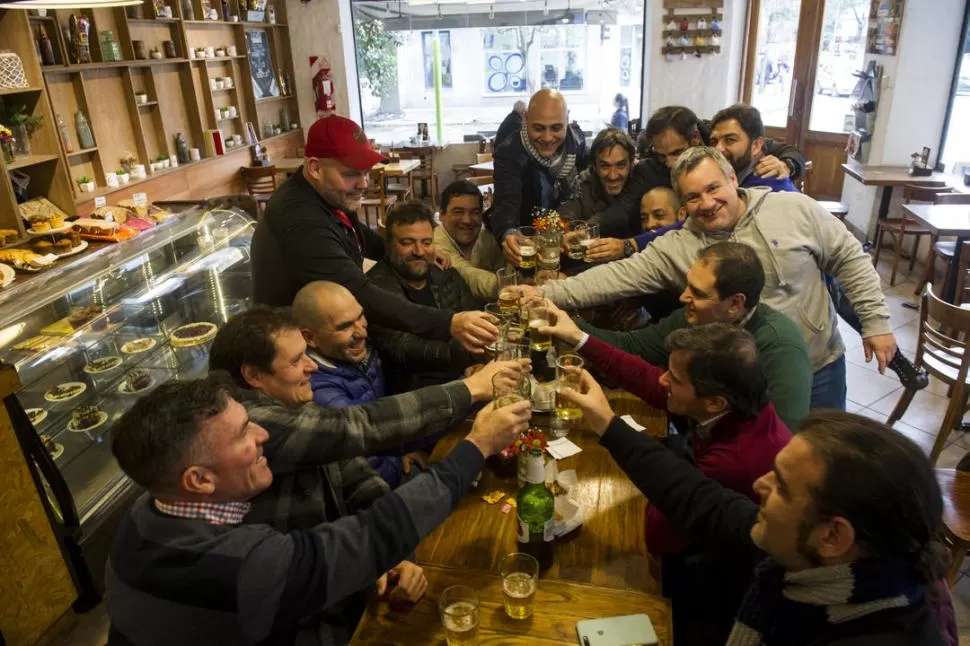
{"type": "Point", "coordinates": [316, 453]}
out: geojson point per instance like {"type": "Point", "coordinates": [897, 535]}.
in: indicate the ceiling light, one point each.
{"type": "Point", "coordinates": [545, 8]}
{"type": "Point", "coordinates": [68, 4]}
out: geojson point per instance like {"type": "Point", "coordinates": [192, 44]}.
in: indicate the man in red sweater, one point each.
{"type": "Point", "coordinates": [715, 381]}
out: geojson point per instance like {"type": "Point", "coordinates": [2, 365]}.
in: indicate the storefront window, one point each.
{"type": "Point", "coordinates": [955, 148]}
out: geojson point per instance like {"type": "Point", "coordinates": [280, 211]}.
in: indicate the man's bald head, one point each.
{"type": "Point", "coordinates": [332, 321]}
{"type": "Point", "coordinates": [546, 121]}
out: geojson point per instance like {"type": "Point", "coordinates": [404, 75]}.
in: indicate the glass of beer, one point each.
{"type": "Point", "coordinates": [539, 318]}
{"type": "Point", "coordinates": [494, 310]}
{"type": "Point", "coordinates": [508, 299]}
{"type": "Point", "coordinates": [574, 241]}
{"type": "Point", "coordinates": [528, 246]}
{"type": "Point", "coordinates": [509, 350]}
{"type": "Point", "coordinates": [509, 387]}
{"type": "Point", "coordinates": [568, 367]}
{"type": "Point", "coordinates": [520, 580]}
{"type": "Point", "coordinates": [550, 248]}
{"type": "Point", "coordinates": [592, 235]}
{"type": "Point", "coordinates": [458, 606]}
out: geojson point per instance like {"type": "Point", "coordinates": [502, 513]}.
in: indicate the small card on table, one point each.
{"type": "Point", "coordinates": [562, 448]}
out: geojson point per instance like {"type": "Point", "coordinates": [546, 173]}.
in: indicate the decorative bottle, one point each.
{"type": "Point", "coordinates": [85, 137]}
{"type": "Point", "coordinates": [65, 135]}
{"type": "Point", "coordinates": [80, 26]}
{"type": "Point", "coordinates": [535, 507]}
{"type": "Point", "coordinates": [181, 149]}
{"type": "Point", "coordinates": [45, 47]}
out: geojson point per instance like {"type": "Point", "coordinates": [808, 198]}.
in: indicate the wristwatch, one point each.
{"type": "Point", "coordinates": [628, 248]}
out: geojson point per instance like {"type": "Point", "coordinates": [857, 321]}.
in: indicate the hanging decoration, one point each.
{"type": "Point", "coordinates": [697, 33]}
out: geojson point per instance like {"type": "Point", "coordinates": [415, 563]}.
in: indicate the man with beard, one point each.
{"type": "Point", "coordinates": [470, 246]}
{"type": "Point", "coordinates": [311, 232]}
{"type": "Point", "coordinates": [738, 133]}
{"type": "Point", "coordinates": [408, 271]}
{"type": "Point", "coordinates": [796, 240]}
{"type": "Point", "coordinates": [538, 169]}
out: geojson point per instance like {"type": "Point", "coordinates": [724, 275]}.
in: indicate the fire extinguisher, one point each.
{"type": "Point", "coordinates": [323, 90]}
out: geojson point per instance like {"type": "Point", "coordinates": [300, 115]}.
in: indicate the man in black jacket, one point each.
{"type": "Point", "coordinates": [537, 169]}
{"type": "Point", "coordinates": [311, 232]}
{"type": "Point", "coordinates": [408, 270]}
{"type": "Point", "coordinates": [511, 124]}
{"type": "Point", "coordinates": [846, 531]}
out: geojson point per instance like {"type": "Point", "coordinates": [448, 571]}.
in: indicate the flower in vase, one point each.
{"type": "Point", "coordinates": [548, 220]}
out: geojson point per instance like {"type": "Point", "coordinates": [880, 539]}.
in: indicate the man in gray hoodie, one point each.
{"type": "Point", "coordinates": [796, 241]}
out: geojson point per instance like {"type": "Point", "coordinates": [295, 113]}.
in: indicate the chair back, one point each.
{"type": "Point", "coordinates": [377, 189]}
{"type": "Point", "coordinates": [426, 155]}
{"type": "Point", "coordinates": [951, 198]}
{"type": "Point", "coordinates": [403, 153]}
{"type": "Point", "coordinates": [944, 331]}
{"type": "Point", "coordinates": [923, 192]}
{"type": "Point", "coordinates": [259, 180]}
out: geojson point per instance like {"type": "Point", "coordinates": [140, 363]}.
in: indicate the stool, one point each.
{"type": "Point", "coordinates": [838, 209]}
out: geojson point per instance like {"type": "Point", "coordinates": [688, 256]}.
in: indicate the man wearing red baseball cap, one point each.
{"type": "Point", "coordinates": [311, 232]}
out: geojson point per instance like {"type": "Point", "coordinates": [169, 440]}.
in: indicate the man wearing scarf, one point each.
{"type": "Point", "coordinates": [538, 169]}
{"type": "Point", "coordinates": [845, 538]}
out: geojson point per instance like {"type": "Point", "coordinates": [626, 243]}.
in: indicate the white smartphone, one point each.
{"type": "Point", "coordinates": [630, 630]}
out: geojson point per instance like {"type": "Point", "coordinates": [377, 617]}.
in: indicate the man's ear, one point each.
{"type": "Point", "coordinates": [757, 147]}
{"type": "Point", "coordinates": [251, 376]}
{"type": "Point", "coordinates": [198, 480]}
{"type": "Point", "coordinates": [695, 139]}
{"type": "Point", "coordinates": [715, 405]}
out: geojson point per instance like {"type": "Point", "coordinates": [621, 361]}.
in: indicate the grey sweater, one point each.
{"type": "Point", "coordinates": [183, 581]}
{"type": "Point", "coordinates": [795, 238]}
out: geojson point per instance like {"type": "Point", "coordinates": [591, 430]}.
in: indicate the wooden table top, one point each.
{"type": "Point", "coordinates": [889, 175]}
{"type": "Point", "coordinates": [489, 165]}
{"type": "Point", "coordinates": [955, 487]}
{"type": "Point", "coordinates": [559, 605]}
{"type": "Point", "coordinates": [943, 219]}
{"type": "Point", "coordinates": [595, 567]}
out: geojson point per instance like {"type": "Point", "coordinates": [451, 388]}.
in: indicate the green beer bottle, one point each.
{"type": "Point", "coordinates": [535, 506]}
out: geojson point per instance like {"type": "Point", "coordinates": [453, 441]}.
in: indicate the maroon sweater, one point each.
{"type": "Point", "coordinates": [737, 453]}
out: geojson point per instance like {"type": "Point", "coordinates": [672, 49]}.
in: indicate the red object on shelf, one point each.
{"type": "Point", "coordinates": [323, 88]}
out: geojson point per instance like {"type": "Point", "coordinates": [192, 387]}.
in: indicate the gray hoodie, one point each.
{"type": "Point", "coordinates": [795, 238]}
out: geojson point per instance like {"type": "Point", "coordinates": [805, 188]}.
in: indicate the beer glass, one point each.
{"type": "Point", "coordinates": [520, 580]}
{"type": "Point", "coordinates": [493, 309]}
{"type": "Point", "coordinates": [568, 368]}
{"type": "Point", "coordinates": [592, 235]}
{"type": "Point", "coordinates": [574, 241]}
{"type": "Point", "coordinates": [509, 350]}
{"type": "Point", "coordinates": [458, 606]}
{"type": "Point", "coordinates": [550, 248]}
{"type": "Point", "coordinates": [508, 300]}
{"type": "Point", "coordinates": [526, 237]}
{"type": "Point", "coordinates": [539, 318]}
{"type": "Point", "coordinates": [509, 387]}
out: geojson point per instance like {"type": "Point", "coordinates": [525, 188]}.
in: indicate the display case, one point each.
{"type": "Point", "coordinates": [88, 339]}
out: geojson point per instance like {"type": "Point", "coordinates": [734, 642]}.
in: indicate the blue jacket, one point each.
{"type": "Point", "coordinates": [776, 184]}
{"type": "Point", "coordinates": [336, 385]}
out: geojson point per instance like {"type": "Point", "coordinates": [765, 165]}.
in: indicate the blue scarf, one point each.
{"type": "Point", "coordinates": [794, 608]}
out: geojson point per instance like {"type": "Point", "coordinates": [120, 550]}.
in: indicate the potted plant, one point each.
{"type": "Point", "coordinates": [161, 161]}
{"type": "Point", "coordinates": [128, 162]}
{"type": "Point", "coordinates": [123, 177]}
{"type": "Point", "coordinates": [86, 184]}
{"type": "Point", "coordinates": [156, 53]}
{"type": "Point", "coordinates": [22, 125]}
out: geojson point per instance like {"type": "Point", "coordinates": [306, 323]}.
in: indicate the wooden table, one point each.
{"type": "Point", "coordinates": [483, 169]}
{"type": "Point", "coordinates": [945, 220]}
{"type": "Point", "coordinates": [605, 560]}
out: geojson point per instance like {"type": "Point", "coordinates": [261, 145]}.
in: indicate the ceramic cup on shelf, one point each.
{"type": "Point", "coordinates": [111, 180]}
{"type": "Point", "coordinates": [217, 84]}
{"type": "Point", "coordinates": [194, 154]}
{"type": "Point", "coordinates": [231, 50]}
{"type": "Point", "coordinates": [220, 53]}
{"type": "Point", "coordinates": [234, 18]}
{"type": "Point", "coordinates": [139, 48]}
{"type": "Point", "coordinates": [168, 47]}
{"type": "Point", "coordinates": [238, 139]}
{"type": "Point", "coordinates": [213, 84]}
{"type": "Point", "coordinates": [173, 161]}
{"type": "Point", "coordinates": [210, 52]}
{"type": "Point", "coordinates": [141, 97]}
{"type": "Point", "coordinates": [191, 53]}
{"type": "Point", "coordinates": [138, 171]}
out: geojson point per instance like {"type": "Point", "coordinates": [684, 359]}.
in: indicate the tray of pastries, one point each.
{"type": "Point", "coordinates": [104, 230]}
{"type": "Point", "coordinates": [146, 211]}
{"type": "Point", "coordinates": [42, 215]}
{"type": "Point", "coordinates": [86, 418]}
{"type": "Point", "coordinates": [26, 260]}
{"type": "Point", "coordinates": [63, 245]}
{"type": "Point", "coordinates": [8, 235]}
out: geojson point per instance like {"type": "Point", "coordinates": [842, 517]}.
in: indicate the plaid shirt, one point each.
{"type": "Point", "coordinates": [217, 513]}
{"type": "Point", "coordinates": [316, 453]}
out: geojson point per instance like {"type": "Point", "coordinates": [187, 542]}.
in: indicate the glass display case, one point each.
{"type": "Point", "coordinates": [89, 338]}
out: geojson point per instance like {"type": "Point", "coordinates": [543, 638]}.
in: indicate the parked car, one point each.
{"type": "Point", "coordinates": [835, 79]}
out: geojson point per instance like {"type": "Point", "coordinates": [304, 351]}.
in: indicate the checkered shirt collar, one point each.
{"type": "Point", "coordinates": [217, 513]}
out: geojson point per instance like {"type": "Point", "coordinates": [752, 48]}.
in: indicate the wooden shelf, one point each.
{"type": "Point", "coordinates": [84, 67]}
{"type": "Point", "coordinates": [276, 98]}
{"type": "Point", "coordinates": [228, 119]}
{"type": "Point", "coordinates": [107, 190]}
{"type": "Point", "coordinates": [33, 18]}
{"type": "Point", "coordinates": [225, 89]}
{"type": "Point", "coordinates": [81, 153]}
{"type": "Point", "coordinates": [142, 21]}
{"type": "Point", "coordinates": [19, 90]}
{"type": "Point", "coordinates": [147, 104]}
{"type": "Point", "coordinates": [217, 59]}
{"type": "Point", "coordinates": [210, 23]}
{"type": "Point", "coordinates": [30, 160]}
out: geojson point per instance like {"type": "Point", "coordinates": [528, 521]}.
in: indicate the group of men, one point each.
{"type": "Point", "coordinates": [294, 481]}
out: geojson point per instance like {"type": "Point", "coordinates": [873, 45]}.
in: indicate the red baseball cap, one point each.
{"type": "Point", "coordinates": [339, 138]}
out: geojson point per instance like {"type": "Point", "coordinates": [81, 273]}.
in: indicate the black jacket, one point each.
{"type": "Point", "coordinates": [301, 239]}
{"type": "Point", "coordinates": [701, 508]}
{"type": "Point", "coordinates": [510, 125]}
{"type": "Point", "coordinates": [517, 183]}
{"type": "Point", "coordinates": [410, 361]}
{"type": "Point", "coordinates": [651, 173]}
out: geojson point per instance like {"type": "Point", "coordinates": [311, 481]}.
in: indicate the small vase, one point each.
{"type": "Point", "coordinates": [7, 146]}
{"type": "Point", "coordinates": [22, 139]}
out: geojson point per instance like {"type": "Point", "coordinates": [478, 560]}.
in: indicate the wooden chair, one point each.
{"type": "Point", "coordinates": [426, 173]}
{"type": "Point", "coordinates": [482, 180]}
{"type": "Point", "coordinates": [944, 249]}
{"type": "Point", "coordinates": [377, 199]}
{"type": "Point", "coordinates": [461, 171]}
{"type": "Point", "coordinates": [905, 226]}
{"type": "Point", "coordinates": [260, 183]}
{"type": "Point", "coordinates": [944, 330]}
{"type": "Point", "coordinates": [955, 487]}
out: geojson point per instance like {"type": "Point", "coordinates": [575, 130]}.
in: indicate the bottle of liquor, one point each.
{"type": "Point", "coordinates": [535, 507]}
{"type": "Point", "coordinates": [85, 137]}
{"type": "Point", "coordinates": [65, 135]}
{"type": "Point", "coordinates": [225, 10]}
{"type": "Point", "coordinates": [181, 149]}
{"type": "Point", "coordinates": [45, 47]}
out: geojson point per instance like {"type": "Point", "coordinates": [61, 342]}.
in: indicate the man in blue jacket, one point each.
{"type": "Point", "coordinates": [349, 370]}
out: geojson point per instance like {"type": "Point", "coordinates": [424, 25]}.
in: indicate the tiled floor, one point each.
{"type": "Point", "coordinates": [869, 394]}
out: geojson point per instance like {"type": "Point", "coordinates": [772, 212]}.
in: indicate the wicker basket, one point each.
{"type": "Point", "coordinates": [11, 71]}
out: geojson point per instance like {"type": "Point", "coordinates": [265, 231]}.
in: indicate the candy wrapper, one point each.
{"type": "Point", "coordinates": [569, 514]}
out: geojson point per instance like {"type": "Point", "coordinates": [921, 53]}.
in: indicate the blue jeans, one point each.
{"type": "Point", "coordinates": [828, 386]}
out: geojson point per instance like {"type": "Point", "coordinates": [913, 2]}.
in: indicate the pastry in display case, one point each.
{"type": "Point", "coordinates": [92, 334]}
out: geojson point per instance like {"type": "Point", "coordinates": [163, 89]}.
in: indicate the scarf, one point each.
{"type": "Point", "coordinates": [561, 167]}
{"type": "Point", "coordinates": [793, 608]}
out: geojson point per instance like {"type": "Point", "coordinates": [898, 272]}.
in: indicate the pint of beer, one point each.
{"type": "Point", "coordinates": [458, 606]}
{"type": "Point", "coordinates": [568, 368]}
{"type": "Point", "coordinates": [574, 241]}
{"type": "Point", "coordinates": [520, 580]}
{"type": "Point", "coordinates": [538, 319]}
{"type": "Point", "coordinates": [508, 300]}
{"type": "Point", "coordinates": [528, 246]}
{"type": "Point", "coordinates": [592, 235]}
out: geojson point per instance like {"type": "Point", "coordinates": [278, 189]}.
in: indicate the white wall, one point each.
{"type": "Point", "coordinates": [704, 84]}
{"type": "Point", "coordinates": [914, 97]}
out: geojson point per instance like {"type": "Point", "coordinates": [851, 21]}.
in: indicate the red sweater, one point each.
{"type": "Point", "coordinates": [737, 453]}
